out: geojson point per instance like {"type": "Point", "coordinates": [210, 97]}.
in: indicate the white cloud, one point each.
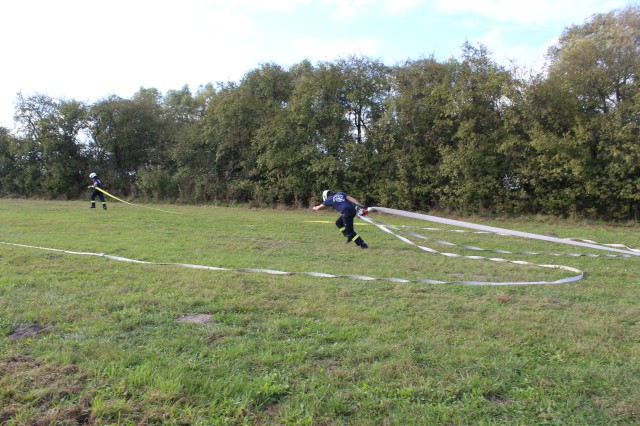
{"type": "Point", "coordinates": [255, 5]}
{"type": "Point", "coordinates": [327, 50]}
{"type": "Point", "coordinates": [516, 27]}
{"type": "Point", "coordinates": [503, 51]}
{"type": "Point", "coordinates": [398, 7]}
{"type": "Point", "coordinates": [525, 12]}
{"type": "Point", "coordinates": [345, 10]}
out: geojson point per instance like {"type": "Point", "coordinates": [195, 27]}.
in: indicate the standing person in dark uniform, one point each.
{"type": "Point", "coordinates": [96, 184]}
{"type": "Point", "coordinates": [346, 205]}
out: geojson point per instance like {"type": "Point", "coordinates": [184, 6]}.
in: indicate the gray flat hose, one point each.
{"type": "Point", "coordinates": [579, 275]}
{"type": "Point", "coordinates": [499, 230]}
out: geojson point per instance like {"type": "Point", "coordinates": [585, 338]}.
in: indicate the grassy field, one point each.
{"type": "Point", "coordinates": [89, 340]}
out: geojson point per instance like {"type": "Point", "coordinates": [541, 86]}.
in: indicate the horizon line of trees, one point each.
{"type": "Point", "coordinates": [465, 135]}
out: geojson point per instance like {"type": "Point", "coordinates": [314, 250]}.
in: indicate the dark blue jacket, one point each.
{"type": "Point", "coordinates": [338, 201]}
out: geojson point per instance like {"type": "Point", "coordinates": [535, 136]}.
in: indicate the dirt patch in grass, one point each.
{"type": "Point", "coordinates": [42, 393]}
{"type": "Point", "coordinates": [27, 331]}
{"type": "Point", "coordinates": [627, 413]}
{"type": "Point", "coordinates": [498, 399]}
{"type": "Point", "coordinates": [198, 318]}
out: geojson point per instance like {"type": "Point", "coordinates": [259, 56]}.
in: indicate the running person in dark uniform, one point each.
{"type": "Point", "coordinates": [95, 185]}
{"type": "Point", "coordinates": [346, 205]}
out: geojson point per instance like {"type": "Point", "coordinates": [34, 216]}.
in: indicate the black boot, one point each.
{"type": "Point", "coordinates": [360, 243]}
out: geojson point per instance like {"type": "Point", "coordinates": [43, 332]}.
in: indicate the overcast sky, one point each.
{"type": "Point", "coordinates": [90, 49]}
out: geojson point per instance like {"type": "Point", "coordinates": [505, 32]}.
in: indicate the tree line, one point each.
{"type": "Point", "coordinates": [466, 134]}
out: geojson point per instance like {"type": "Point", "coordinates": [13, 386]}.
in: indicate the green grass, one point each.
{"type": "Point", "coordinates": [296, 349]}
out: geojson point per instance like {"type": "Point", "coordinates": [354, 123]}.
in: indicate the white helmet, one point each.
{"type": "Point", "coordinates": [92, 175]}
{"type": "Point", "coordinates": [325, 194]}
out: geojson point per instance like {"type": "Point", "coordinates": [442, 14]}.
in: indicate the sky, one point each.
{"type": "Point", "coordinates": [87, 50]}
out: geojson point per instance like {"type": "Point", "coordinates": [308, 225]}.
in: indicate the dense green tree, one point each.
{"type": "Point", "coordinates": [592, 87]}
{"type": "Point", "coordinates": [180, 106]}
{"type": "Point", "coordinates": [192, 151]}
{"type": "Point", "coordinates": [127, 137]}
{"type": "Point", "coordinates": [317, 108]}
{"type": "Point", "coordinates": [618, 187]}
{"type": "Point", "coordinates": [415, 125]}
{"type": "Point", "coordinates": [473, 168]}
{"type": "Point", "coordinates": [8, 163]}
{"type": "Point", "coordinates": [365, 88]}
{"type": "Point", "coordinates": [598, 61]}
{"type": "Point", "coordinates": [52, 143]}
{"type": "Point", "coordinates": [283, 148]}
{"type": "Point", "coordinates": [366, 92]}
{"type": "Point", "coordinates": [232, 119]}
{"type": "Point", "coordinates": [179, 127]}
